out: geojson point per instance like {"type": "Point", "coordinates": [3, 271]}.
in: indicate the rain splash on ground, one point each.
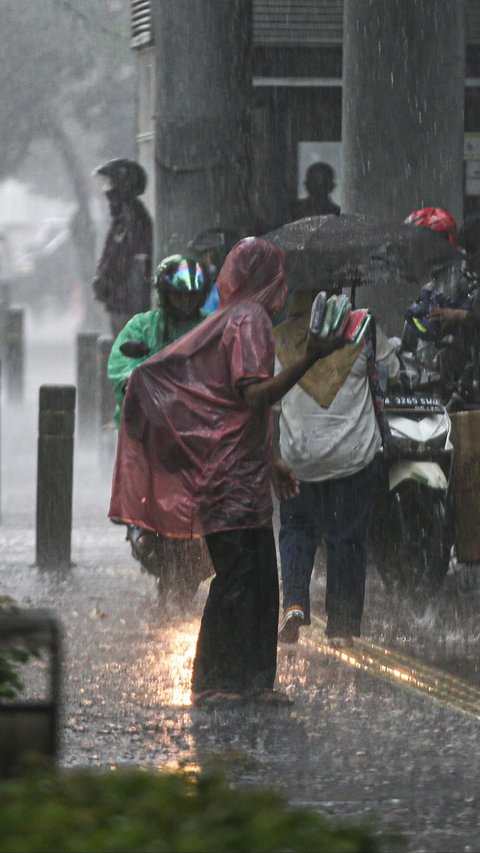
{"type": "Point", "coordinates": [350, 746]}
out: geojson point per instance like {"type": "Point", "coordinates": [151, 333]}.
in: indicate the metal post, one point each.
{"type": "Point", "coordinates": [87, 385]}
{"type": "Point", "coordinates": [55, 475]}
{"type": "Point", "coordinates": [4, 305]}
{"type": "Point", "coordinates": [106, 404]}
{"type": "Point", "coordinates": [15, 354]}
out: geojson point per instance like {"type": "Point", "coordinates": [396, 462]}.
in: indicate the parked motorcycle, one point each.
{"type": "Point", "coordinates": [412, 532]}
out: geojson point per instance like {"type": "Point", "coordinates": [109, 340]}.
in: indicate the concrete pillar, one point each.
{"type": "Point", "coordinates": [202, 129]}
{"type": "Point", "coordinates": [403, 96]}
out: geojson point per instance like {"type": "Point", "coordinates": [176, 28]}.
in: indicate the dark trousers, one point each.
{"type": "Point", "coordinates": [339, 511]}
{"type": "Point", "coordinates": [237, 642]}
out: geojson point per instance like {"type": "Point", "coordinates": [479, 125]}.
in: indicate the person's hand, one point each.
{"type": "Point", "coordinates": [284, 481]}
{"type": "Point", "coordinates": [321, 347]}
{"type": "Point", "coordinates": [448, 315]}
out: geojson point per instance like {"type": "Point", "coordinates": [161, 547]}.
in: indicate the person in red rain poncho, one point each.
{"type": "Point", "coordinates": [194, 459]}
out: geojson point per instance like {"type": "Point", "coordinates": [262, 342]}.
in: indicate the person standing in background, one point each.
{"type": "Point", "coordinates": [122, 278]}
{"type": "Point", "coordinates": [319, 183]}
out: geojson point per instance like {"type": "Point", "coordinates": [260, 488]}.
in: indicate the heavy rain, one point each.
{"type": "Point", "coordinates": [142, 140]}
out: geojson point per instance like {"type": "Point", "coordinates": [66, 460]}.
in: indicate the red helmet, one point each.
{"type": "Point", "coordinates": [436, 219]}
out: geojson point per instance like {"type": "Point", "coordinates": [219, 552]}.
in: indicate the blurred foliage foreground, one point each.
{"type": "Point", "coordinates": [139, 810]}
{"type": "Point", "coordinates": [12, 657]}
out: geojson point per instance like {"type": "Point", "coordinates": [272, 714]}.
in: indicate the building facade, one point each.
{"type": "Point", "coordinates": [297, 99]}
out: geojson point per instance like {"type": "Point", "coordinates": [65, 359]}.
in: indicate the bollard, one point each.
{"type": "Point", "coordinates": [106, 402]}
{"type": "Point", "coordinates": [15, 357]}
{"type": "Point", "coordinates": [106, 406]}
{"type": "Point", "coordinates": [87, 385]}
{"type": "Point", "coordinates": [55, 475]}
{"type": "Point", "coordinates": [4, 306]}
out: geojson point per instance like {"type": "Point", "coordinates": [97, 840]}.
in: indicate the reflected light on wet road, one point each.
{"type": "Point", "coordinates": [406, 671]}
{"type": "Point", "coordinates": [180, 664]}
{"type": "Point", "coordinates": [167, 669]}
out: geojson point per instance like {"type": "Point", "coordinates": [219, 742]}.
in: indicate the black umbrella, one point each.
{"type": "Point", "coordinates": [353, 249]}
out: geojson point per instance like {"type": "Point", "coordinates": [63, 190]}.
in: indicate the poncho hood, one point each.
{"type": "Point", "coordinates": [254, 269]}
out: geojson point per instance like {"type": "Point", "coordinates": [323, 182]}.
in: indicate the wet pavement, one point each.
{"type": "Point", "coordinates": [353, 744]}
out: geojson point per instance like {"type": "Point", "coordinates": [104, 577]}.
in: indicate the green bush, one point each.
{"type": "Point", "coordinates": [138, 810]}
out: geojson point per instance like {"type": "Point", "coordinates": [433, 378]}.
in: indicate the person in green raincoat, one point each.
{"type": "Point", "coordinates": [182, 284]}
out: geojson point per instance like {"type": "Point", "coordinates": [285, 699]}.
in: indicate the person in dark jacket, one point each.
{"type": "Point", "coordinates": [122, 278]}
{"type": "Point", "coordinates": [319, 183]}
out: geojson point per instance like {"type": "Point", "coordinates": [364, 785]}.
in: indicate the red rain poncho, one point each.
{"type": "Point", "coordinates": [192, 458]}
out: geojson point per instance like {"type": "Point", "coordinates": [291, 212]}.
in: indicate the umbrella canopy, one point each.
{"type": "Point", "coordinates": [355, 249]}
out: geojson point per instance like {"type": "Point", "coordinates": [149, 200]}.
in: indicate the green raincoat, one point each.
{"type": "Point", "coordinates": [150, 329]}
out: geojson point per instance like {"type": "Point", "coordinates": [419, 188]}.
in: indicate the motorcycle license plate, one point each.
{"type": "Point", "coordinates": [413, 402]}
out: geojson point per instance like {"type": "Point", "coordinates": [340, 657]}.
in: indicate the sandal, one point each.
{"type": "Point", "coordinates": [212, 698]}
{"type": "Point", "coordinates": [271, 697]}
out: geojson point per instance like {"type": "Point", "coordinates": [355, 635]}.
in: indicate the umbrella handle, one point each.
{"type": "Point", "coordinates": [353, 290]}
{"type": "Point", "coordinates": [356, 280]}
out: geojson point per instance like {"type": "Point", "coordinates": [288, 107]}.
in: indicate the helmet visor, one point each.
{"type": "Point", "coordinates": [187, 278]}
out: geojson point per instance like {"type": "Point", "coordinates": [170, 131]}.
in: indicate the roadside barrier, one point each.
{"type": "Point", "coordinates": [106, 405]}
{"type": "Point", "coordinates": [15, 354]}
{"type": "Point", "coordinates": [55, 475]}
{"type": "Point", "coordinates": [4, 306]}
{"type": "Point", "coordinates": [87, 386]}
